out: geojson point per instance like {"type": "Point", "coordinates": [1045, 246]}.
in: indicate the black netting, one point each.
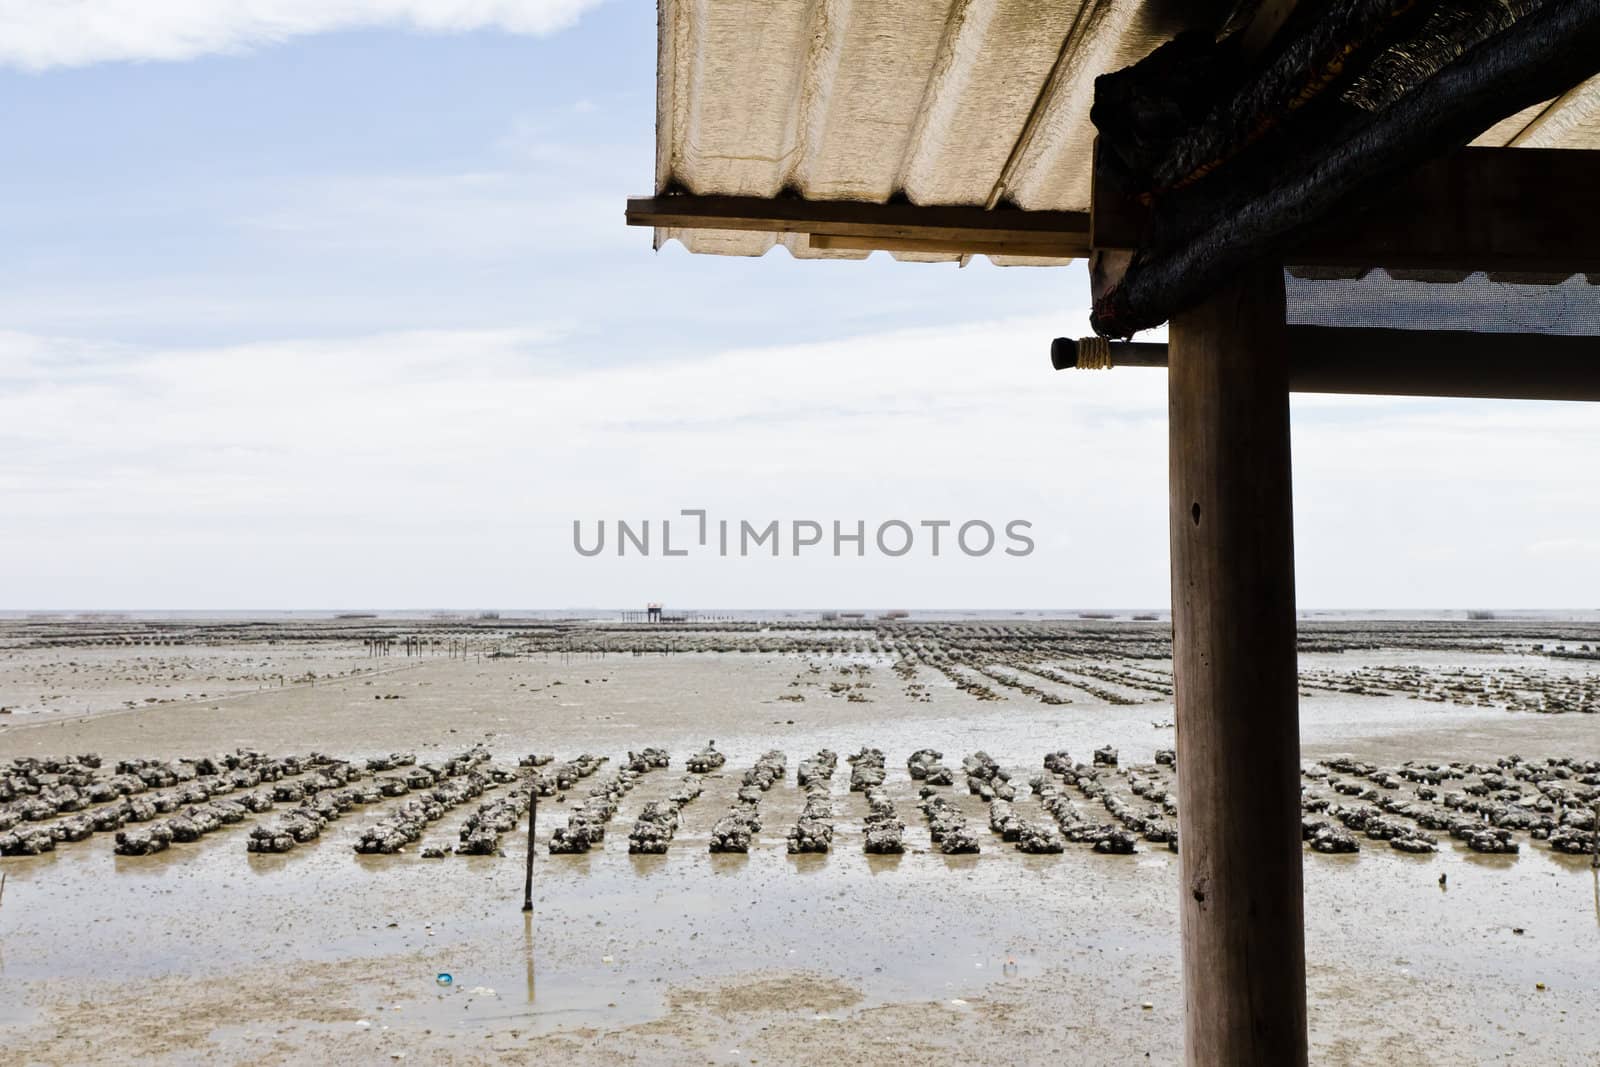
{"type": "Point", "coordinates": [1481, 303]}
{"type": "Point", "coordinates": [1237, 153]}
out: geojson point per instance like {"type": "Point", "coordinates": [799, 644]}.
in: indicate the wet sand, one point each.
{"type": "Point", "coordinates": [205, 953]}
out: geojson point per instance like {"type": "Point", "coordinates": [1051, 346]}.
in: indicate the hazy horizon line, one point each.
{"type": "Point", "coordinates": [722, 610]}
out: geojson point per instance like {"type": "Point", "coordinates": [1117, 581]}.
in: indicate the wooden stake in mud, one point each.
{"type": "Point", "coordinates": [533, 815]}
{"type": "Point", "coordinates": [1233, 662]}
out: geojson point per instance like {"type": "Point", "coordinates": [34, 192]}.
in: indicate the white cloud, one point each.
{"type": "Point", "coordinates": [550, 189]}
{"type": "Point", "coordinates": [40, 34]}
{"type": "Point", "coordinates": [1577, 549]}
{"type": "Point", "coordinates": [323, 471]}
{"type": "Point", "coordinates": [472, 214]}
{"type": "Point", "coordinates": [446, 467]}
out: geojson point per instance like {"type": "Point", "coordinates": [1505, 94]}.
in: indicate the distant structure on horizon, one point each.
{"type": "Point", "coordinates": [653, 612]}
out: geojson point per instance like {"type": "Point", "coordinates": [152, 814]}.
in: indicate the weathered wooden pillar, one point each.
{"type": "Point", "coordinates": [1233, 623]}
{"type": "Point", "coordinates": [533, 818]}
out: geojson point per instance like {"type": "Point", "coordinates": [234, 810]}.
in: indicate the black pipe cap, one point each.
{"type": "Point", "coordinates": [1063, 353]}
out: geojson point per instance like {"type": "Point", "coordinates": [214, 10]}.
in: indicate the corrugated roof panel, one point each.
{"type": "Point", "coordinates": [727, 93]}
{"type": "Point", "coordinates": [1498, 135]}
{"type": "Point", "coordinates": [749, 243]}
{"type": "Point", "coordinates": [1055, 158]}
{"type": "Point", "coordinates": [940, 102]}
{"type": "Point", "coordinates": [996, 56]}
{"type": "Point", "coordinates": [861, 99]}
{"type": "Point", "coordinates": [853, 99]}
{"type": "Point", "coordinates": [1572, 121]}
{"type": "Point", "coordinates": [875, 100]}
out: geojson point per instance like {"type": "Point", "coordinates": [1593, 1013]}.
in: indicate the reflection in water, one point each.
{"type": "Point", "coordinates": [808, 862]}
{"type": "Point", "coordinates": [646, 864]}
{"type": "Point", "coordinates": [1594, 860]}
{"type": "Point", "coordinates": [877, 863]}
{"type": "Point", "coordinates": [527, 949]}
{"type": "Point", "coordinates": [261, 863]}
{"type": "Point", "coordinates": [726, 863]}
{"type": "Point", "coordinates": [26, 867]}
{"type": "Point", "coordinates": [572, 862]}
{"type": "Point", "coordinates": [960, 861]}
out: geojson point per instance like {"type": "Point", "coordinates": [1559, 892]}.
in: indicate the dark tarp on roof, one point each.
{"type": "Point", "coordinates": [1237, 154]}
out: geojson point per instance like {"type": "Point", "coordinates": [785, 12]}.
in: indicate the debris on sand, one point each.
{"type": "Point", "coordinates": [586, 827]}
{"type": "Point", "coordinates": [817, 769]}
{"type": "Point", "coordinates": [986, 778]}
{"type": "Point", "coordinates": [557, 779]}
{"type": "Point", "coordinates": [29, 842]}
{"type": "Point", "coordinates": [1003, 820]}
{"type": "Point", "coordinates": [144, 842]}
{"type": "Point", "coordinates": [920, 760]}
{"type": "Point", "coordinates": [654, 828]}
{"type": "Point", "coordinates": [1115, 842]}
{"type": "Point", "coordinates": [707, 759]}
{"type": "Point", "coordinates": [813, 832]}
{"type": "Point", "coordinates": [867, 770]}
{"type": "Point", "coordinates": [1414, 843]}
{"type": "Point", "coordinates": [151, 805]}
{"type": "Point", "coordinates": [480, 833]}
{"type": "Point", "coordinates": [1489, 839]}
{"type": "Point", "coordinates": [1333, 839]}
{"type": "Point", "coordinates": [735, 830]}
{"type": "Point", "coordinates": [1573, 841]}
{"type": "Point", "coordinates": [659, 820]}
{"type": "Point", "coordinates": [925, 765]}
{"type": "Point", "coordinates": [647, 760]}
{"type": "Point", "coordinates": [1038, 838]}
{"type": "Point", "coordinates": [885, 833]}
{"type": "Point", "coordinates": [1105, 838]}
{"type": "Point", "coordinates": [768, 770]}
{"type": "Point", "coordinates": [947, 826]}
{"type": "Point", "coordinates": [458, 781]}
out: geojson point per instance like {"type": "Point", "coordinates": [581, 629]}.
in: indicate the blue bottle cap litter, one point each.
{"type": "Point", "coordinates": [444, 978]}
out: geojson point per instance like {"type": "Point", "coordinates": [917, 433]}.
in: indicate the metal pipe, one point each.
{"type": "Point", "coordinates": [1385, 362]}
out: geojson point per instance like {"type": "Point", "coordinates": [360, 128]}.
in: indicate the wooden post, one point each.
{"type": "Point", "coordinates": [1233, 623]}
{"type": "Point", "coordinates": [533, 815]}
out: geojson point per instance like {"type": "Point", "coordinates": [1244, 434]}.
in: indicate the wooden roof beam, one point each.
{"type": "Point", "coordinates": [848, 224]}
{"type": "Point", "coordinates": [1477, 209]}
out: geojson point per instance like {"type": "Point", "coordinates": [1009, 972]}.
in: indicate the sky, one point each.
{"type": "Point", "coordinates": [313, 304]}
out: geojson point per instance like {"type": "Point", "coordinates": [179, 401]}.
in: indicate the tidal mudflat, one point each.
{"type": "Point", "coordinates": [775, 842]}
